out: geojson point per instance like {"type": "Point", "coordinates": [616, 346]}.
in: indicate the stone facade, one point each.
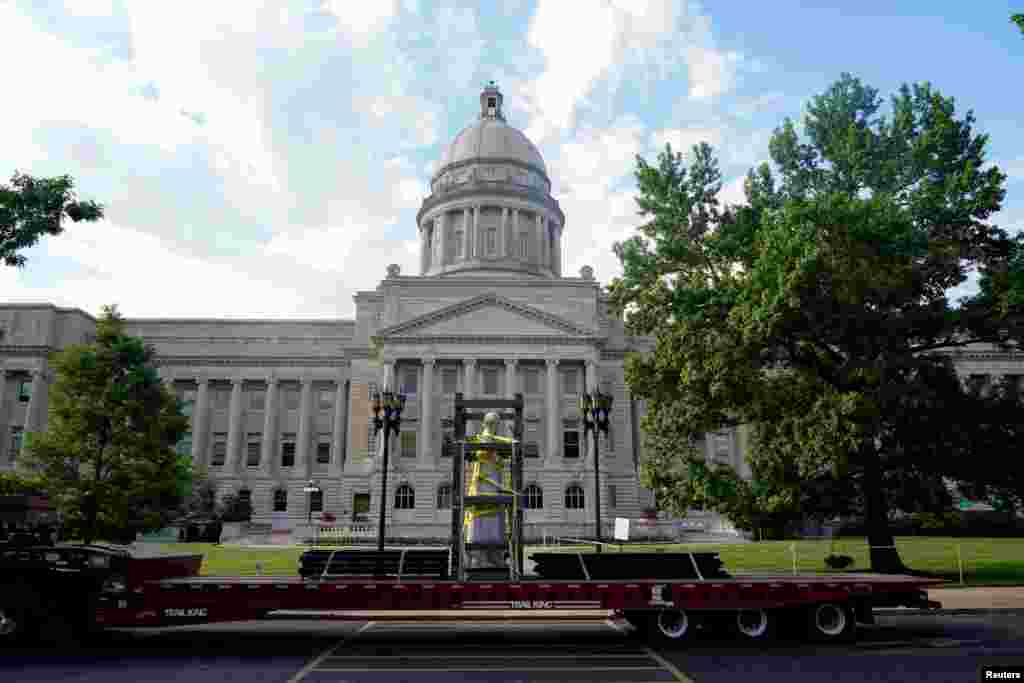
{"type": "Point", "coordinates": [275, 403]}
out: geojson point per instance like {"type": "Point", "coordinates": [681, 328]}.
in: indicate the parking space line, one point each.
{"type": "Point", "coordinates": [680, 676]}
{"type": "Point", "coordinates": [306, 670]}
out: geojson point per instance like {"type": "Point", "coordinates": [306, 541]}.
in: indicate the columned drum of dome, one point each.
{"type": "Point", "coordinates": [490, 211]}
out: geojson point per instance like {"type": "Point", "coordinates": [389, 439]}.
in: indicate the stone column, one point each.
{"type": "Point", "coordinates": [304, 454]}
{"type": "Point", "coordinates": [540, 240]}
{"type": "Point", "coordinates": [5, 429]}
{"type": "Point", "coordinates": [233, 461]}
{"type": "Point", "coordinates": [510, 377]}
{"type": "Point", "coordinates": [268, 464]}
{"type": "Point", "coordinates": [337, 427]}
{"type": "Point", "coordinates": [465, 234]}
{"type": "Point", "coordinates": [469, 389]}
{"type": "Point", "coordinates": [553, 412]}
{"type": "Point", "coordinates": [35, 402]}
{"type": "Point", "coordinates": [515, 234]}
{"type": "Point", "coordinates": [478, 242]}
{"type": "Point", "coordinates": [200, 412]}
{"type": "Point", "coordinates": [557, 251]}
{"type": "Point", "coordinates": [589, 386]}
{"type": "Point", "coordinates": [441, 235]}
{"type": "Point", "coordinates": [427, 408]}
{"type": "Point", "coordinates": [503, 234]}
{"type": "Point", "coordinates": [424, 233]}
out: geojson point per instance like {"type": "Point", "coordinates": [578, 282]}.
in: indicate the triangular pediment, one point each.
{"type": "Point", "coordinates": [487, 315]}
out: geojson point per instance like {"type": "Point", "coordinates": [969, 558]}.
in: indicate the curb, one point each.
{"type": "Point", "coordinates": [977, 611]}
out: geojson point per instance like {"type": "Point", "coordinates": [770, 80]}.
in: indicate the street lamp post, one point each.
{"type": "Point", "coordinates": [594, 409]}
{"type": "Point", "coordinates": [392, 405]}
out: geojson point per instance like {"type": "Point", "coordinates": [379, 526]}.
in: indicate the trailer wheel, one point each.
{"type": "Point", "coordinates": [670, 627]}
{"type": "Point", "coordinates": [755, 624]}
{"type": "Point", "coordinates": [18, 606]}
{"type": "Point", "coordinates": [831, 622]}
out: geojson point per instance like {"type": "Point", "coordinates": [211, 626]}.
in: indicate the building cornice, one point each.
{"type": "Point", "coordinates": [494, 189]}
{"type": "Point", "coordinates": [343, 322]}
{"type": "Point", "coordinates": [246, 340]}
{"type": "Point", "coordinates": [169, 361]}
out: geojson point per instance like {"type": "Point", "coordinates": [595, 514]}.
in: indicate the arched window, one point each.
{"type": "Point", "coordinates": [245, 496]}
{"type": "Point", "coordinates": [534, 498]}
{"type": "Point", "coordinates": [444, 497]}
{"type": "Point", "coordinates": [405, 499]}
{"type": "Point", "coordinates": [280, 500]}
{"type": "Point", "coordinates": [574, 497]}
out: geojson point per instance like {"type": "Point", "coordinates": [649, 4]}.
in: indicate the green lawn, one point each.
{"type": "Point", "coordinates": [986, 561]}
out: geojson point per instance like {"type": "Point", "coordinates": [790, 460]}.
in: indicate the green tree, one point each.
{"type": "Point", "coordinates": [108, 459]}
{"type": "Point", "coordinates": [1019, 20]}
{"type": "Point", "coordinates": [13, 483]}
{"type": "Point", "coordinates": [817, 310]}
{"type": "Point", "coordinates": [33, 207]}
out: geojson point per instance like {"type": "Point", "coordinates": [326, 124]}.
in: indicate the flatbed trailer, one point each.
{"type": "Point", "coordinates": [96, 587]}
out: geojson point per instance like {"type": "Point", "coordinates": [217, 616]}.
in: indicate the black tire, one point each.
{"type": "Point", "coordinates": [668, 628]}
{"type": "Point", "coordinates": [19, 609]}
{"type": "Point", "coordinates": [831, 622]}
{"type": "Point", "coordinates": [759, 625]}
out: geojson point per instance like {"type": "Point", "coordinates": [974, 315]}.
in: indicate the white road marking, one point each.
{"type": "Point", "coordinates": [680, 676]}
{"type": "Point", "coordinates": [306, 670]}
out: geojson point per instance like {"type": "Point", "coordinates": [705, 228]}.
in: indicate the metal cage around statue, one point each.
{"type": "Point", "coordinates": [464, 456]}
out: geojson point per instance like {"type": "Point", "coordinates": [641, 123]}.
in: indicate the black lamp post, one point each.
{"type": "Point", "coordinates": [594, 409]}
{"type": "Point", "coordinates": [309, 490]}
{"type": "Point", "coordinates": [392, 405]}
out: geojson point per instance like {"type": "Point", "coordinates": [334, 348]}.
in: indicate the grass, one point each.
{"type": "Point", "coordinates": [986, 561]}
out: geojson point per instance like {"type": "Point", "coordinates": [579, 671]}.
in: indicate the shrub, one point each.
{"type": "Point", "coordinates": [838, 561]}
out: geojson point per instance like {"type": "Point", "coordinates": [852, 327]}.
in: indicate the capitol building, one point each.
{"type": "Point", "coordinates": [277, 403]}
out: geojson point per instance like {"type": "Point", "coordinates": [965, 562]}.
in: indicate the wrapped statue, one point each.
{"type": "Point", "coordinates": [491, 475]}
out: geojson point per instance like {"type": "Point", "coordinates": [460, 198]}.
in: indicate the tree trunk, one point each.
{"type": "Point", "coordinates": [885, 558]}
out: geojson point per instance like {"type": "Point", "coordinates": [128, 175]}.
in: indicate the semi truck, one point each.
{"type": "Point", "coordinates": [71, 590]}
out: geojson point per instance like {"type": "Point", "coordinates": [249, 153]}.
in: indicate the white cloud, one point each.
{"type": "Point", "coordinates": [361, 20]}
{"type": "Point", "coordinates": [683, 139]}
{"type": "Point", "coordinates": [712, 72]}
{"type": "Point", "coordinates": [90, 8]}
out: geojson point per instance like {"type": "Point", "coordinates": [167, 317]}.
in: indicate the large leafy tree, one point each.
{"type": "Point", "coordinates": [1019, 20]}
{"type": "Point", "coordinates": [32, 207]}
{"type": "Point", "coordinates": [817, 311]}
{"type": "Point", "coordinates": [108, 458]}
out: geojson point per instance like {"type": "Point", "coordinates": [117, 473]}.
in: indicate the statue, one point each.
{"type": "Point", "coordinates": [490, 476]}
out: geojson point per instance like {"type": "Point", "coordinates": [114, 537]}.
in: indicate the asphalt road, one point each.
{"type": "Point", "coordinates": [899, 648]}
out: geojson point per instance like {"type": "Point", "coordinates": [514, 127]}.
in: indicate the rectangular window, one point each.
{"type": "Point", "coordinates": [24, 390]}
{"type": "Point", "coordinates": [407, 441]}
{"type": "Point", "coordinates": [571, 443]}
{"type": "Point", "coordinates": [448, 445]}
{"type": "Point", "coordinates": [252, 450]}
{"type": "Point", "coordinates": [257, 399]}
{"type": "Point", "coordinates": [569, 383]}
{"type": "Point", "coordinates": [449, 381]}
{"type": "Point", "coordinates": [613, 497]}
{"type": "Point", "coordinates": [531, 450]}
{"type": "Point", "coordinates": [15, 442]}
{"type": "Point", "coordinates": [409, 377]}
{"type": "Point", "coordinates": [288, 449]}
{"type": "Point", "coordinates": [325, 399]}
{"type": "Point", "coordinates": [492, 240]}
{"type": "Point", "coordinates": [220, 449]}
{"type": "Point", "coordinates": [291, 398]}
{"type": "Point", "coordinates": [531, 381]}
{"type": "Point", "coordinates": [323, 451]}
{"type": "Point", "coordinates": [490, 381]}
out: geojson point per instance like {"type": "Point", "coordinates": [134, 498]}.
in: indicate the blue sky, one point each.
{"type": "Point", "coordinates": [266, 159]}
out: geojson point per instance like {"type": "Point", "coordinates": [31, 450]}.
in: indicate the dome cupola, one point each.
{"type": "Point", "coordinates": [490, 211]}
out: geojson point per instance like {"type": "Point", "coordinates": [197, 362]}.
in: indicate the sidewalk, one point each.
{"type": "Point", "coordinates": [980, 598]}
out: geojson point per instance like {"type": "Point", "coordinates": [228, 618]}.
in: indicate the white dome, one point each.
{"type": "Point", "coordinates": [492, 138]}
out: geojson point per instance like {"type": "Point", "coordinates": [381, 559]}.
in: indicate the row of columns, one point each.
{"type": "Point", "coordinates": [433, 251]}
{"type": "Point", "coordinates": [553, 397]}
{"type": "Point", "coordinates": [305, 452]}
{"type": "Point", "coordinates": [35, 417]}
